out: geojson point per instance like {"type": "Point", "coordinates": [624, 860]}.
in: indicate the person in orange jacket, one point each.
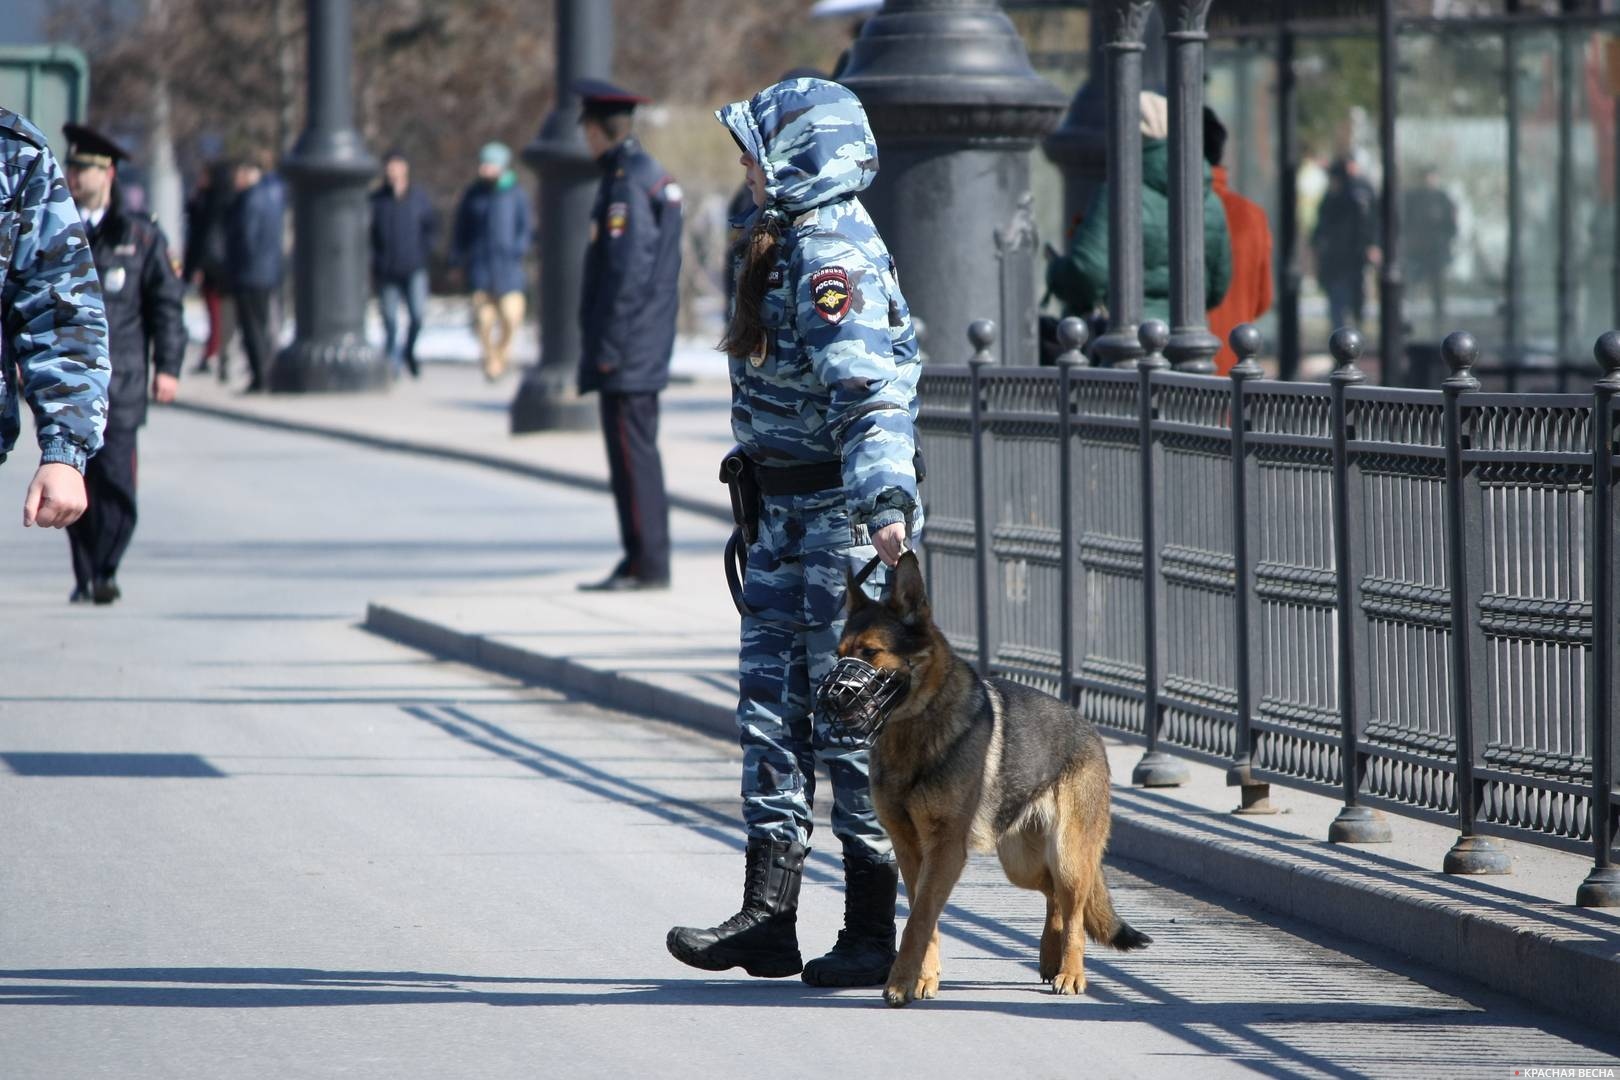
{"type": "Point", "coordinates": [1249, 295]}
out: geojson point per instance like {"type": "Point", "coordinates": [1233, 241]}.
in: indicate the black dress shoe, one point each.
{"type": "Point", "coordinates": [105, 591]}
{"type": "Point", "coordinates": [80, 595]}
{"type": "Point", "coordinates": [614, 582]}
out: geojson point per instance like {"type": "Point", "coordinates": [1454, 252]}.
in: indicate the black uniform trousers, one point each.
{"type": "Point", "coordinates": [630, 428]}
{"type": "Point", "coordinates": [102, 534]}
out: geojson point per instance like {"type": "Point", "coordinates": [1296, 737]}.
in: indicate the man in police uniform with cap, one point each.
{"type": "Point", "coordinates": [145, 329]}
{"type": "Point", "coordinates": [627, 319]}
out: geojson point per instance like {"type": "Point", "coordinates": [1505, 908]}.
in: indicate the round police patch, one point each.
{"type": "Point", "coordinates": [829, 293]}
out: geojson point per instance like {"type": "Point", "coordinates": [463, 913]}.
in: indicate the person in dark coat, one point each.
{"type": "Point", "coordinates": [146, 333]}
{"type": "Point", "coordinates": [1429, 218]}
{"type": "Point", "coordinates": [403, 222]}
{"type": "Point", "coordinates": [1345, 242]}
{"type": "Point", "coordinates": [627, 322]}
{"type": "Point", "coordinates": [205, 261]}
{"type": "Point", "coordinates": [253, 243]}
{"type": "Point", "coordinates": [491, 236]}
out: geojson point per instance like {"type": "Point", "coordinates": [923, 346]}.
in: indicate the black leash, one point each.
{"type": "Point", "coordinates": [737, 569]}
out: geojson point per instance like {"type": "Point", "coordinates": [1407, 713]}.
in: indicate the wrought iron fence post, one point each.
{"type": "Point", "coordinates": [1355, 824]}
{"type": "Point", "coordinates": [1470, 854]}
{"type": "Point", "coordinates": [1071, 334]}
{"type": "Point", "coordinates": [982, 335]}
{"type": "Point", "coordinates": [1125, 22]}
{"type": "Point", "coordinates": [1255, 795]}
{"type": "Point", "coordinates": [1602, 885]}
{"type": "Point", "coordinates": [1156, 769]}
{"type": "Point", "coordinates": [1192, 347]}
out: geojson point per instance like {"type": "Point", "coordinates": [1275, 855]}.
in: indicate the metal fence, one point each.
{"type": "Point", "coordinates": [1402, 597]}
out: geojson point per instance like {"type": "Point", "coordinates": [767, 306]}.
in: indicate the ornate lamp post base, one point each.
{"type": "Point", "coordinates": [335, 365]}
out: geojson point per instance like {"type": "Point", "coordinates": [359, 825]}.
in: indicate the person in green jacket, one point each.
{"type": "Point", "coordinates": [1080, 278]}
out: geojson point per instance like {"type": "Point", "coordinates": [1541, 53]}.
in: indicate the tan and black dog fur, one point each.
{"type": "Point", "coordinates": [969, 764]}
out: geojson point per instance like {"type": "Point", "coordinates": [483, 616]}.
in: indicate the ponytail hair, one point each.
{"type": "Point", "coordinates": [745, 335]}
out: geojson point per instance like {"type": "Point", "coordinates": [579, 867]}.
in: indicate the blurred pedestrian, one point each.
{"type": "Point", "coordinates": [403, 222]}
{"type": "Point", "coordinates": [1429, 221]}
{"type": "Point", "coordinates": [256, 263]}
{"type": "Point", "coordinates": [53, 328]}
{"type": "Point", "coordinates": [205, 261]}
{"type": "Point", "coordinates": [146, 338]}
{"type": "Point", "coordinates": [1345, 242]}
{"type": "Point", "coordinates": [627, 322]}
{"type": "Point", "coordinates": [1080, 278]}
{"type": "Point", "coordinates": [824, 371]}
{"type": "Point", "coordinates": [1249, 295]}
{"type": "Point", "coordinates": [491, 237]}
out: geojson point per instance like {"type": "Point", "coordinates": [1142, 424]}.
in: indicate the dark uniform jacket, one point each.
{"type": "Point", "coordinates": [632, 271]}
{"type": "Point", "coordinates": [142, 295]}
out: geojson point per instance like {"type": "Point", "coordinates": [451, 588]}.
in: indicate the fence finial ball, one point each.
{"type": "Point", "coordinates": [1153, 336]}
{"type": "Point", "coordinates": [1246, 341]}
{"type": "Point", "coordinates": [1607, 351]}
{"type": "Point", "coordinates": [1072, 334]}
{"type": "Point", "coordinates": [1460, 351]}
{"type": "Point", "coordinates": [981, 334]}
{"type": "Point", "coordinates": [1345, 345]}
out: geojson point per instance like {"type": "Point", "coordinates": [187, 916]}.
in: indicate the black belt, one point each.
{"type": "Point", "coordinates": [799, 479]}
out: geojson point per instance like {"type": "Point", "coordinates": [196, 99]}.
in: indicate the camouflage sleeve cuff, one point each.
{"type": "Point", "coordinates": [63, 452]}
{"type": "Point", "coordinates": [884, 518]}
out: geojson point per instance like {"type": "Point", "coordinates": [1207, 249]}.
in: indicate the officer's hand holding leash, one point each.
{"type": "Point", "coordinates": [890, 542]}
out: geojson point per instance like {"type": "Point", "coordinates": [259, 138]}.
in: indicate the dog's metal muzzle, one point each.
{"type": "Point", "coordinates": [856, 699]}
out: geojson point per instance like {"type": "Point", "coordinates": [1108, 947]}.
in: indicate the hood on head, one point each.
{"type": "Point", "coordinates": [812, 139]}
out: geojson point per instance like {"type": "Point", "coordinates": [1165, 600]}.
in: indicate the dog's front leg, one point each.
{"type": "Point", "coordinates": [916, 971]}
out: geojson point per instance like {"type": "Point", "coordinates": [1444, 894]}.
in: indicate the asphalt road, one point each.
{"type": "Point", "coordinates": [240, 837]}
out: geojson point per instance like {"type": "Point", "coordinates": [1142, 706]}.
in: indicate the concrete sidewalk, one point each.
{"type": "Point", "coordinates": [452, 412]}
{"type": "Point", "coordinates": [673, 655]}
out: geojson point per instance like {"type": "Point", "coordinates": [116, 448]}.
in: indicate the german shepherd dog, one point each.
{"type": "Point", "coordinates": [969, 764]}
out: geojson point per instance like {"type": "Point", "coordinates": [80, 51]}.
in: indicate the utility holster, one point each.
{"type": "Point", "coordinates": [737, 473]}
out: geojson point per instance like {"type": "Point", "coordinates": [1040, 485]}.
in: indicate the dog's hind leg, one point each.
{"type": "Point", "coordinates": [1051, 938]}
{"type": "Point", "coordinates": [915, 973]}
{"type": "Point", "coordinates": [1074, 854]}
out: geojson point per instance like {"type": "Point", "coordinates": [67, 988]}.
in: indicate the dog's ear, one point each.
{"type": "Point", "coordinates": [908, 599]}
{"type": "Point", "coordinates": [855, 597]}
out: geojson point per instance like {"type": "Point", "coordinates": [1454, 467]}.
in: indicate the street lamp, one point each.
{"type": "Point", "coordinates": [328, 169]}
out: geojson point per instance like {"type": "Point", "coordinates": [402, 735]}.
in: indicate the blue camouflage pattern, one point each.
{"type": "Point", "coordinates": [53, 326]}
{"type": "Point", "coordinates": [828, 389]}
{"type": "Point", "coordinates": [838, 386]}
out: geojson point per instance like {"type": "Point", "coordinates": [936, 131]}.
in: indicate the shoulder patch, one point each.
{"type": "Point", "coordinates": [829, 293]}
{"type": "Point", "coordinates": [672, 192]}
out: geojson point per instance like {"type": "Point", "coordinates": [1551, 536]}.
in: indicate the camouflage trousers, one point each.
{"type": "Point", "coordinates": [795, 587]}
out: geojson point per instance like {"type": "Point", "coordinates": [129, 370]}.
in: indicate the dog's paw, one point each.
{"type": "Point", "coordinates": [1067, 982]}
{"type": "Point", "coordinates": [902, 990]}
{"type": "Point", "coordinates": [1048, 972]}
{"type": "Point", "coordinates": [896, 995]}
{"type": "Point", "coordinates": [926, 986]}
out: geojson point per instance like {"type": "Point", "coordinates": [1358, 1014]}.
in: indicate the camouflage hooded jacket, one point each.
{"type": "Point", "coordinates": [52, 323]}
{"type": "Point", "coordinates": [838, 378]}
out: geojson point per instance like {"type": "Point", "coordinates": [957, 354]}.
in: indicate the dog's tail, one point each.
{"type": "Point", "coordinates": [1105, 927]}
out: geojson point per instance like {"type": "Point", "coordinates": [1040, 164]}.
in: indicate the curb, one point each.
{"type": "Point", "coordinates": [606, 687]}
{"type": "Point", "coordinates": [1550, 956]}
{"type": "Point", "coordinates": [1559, 958]}
{"type": "Point", "coordinates": [445, 453]}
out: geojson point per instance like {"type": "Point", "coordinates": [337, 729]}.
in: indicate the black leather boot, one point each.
{"type": "Point", "coordinates": [762, 938]}
{"type": "Point", "coordinates": [865, 948]}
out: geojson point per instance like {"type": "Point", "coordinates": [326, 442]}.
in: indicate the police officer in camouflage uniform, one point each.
{"type": "Point", "coordinates": [824, 371]}
{"type": "Point", "coordinates": [146, 339]}
{"type": "Point", "coordinates": [53, 331]}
